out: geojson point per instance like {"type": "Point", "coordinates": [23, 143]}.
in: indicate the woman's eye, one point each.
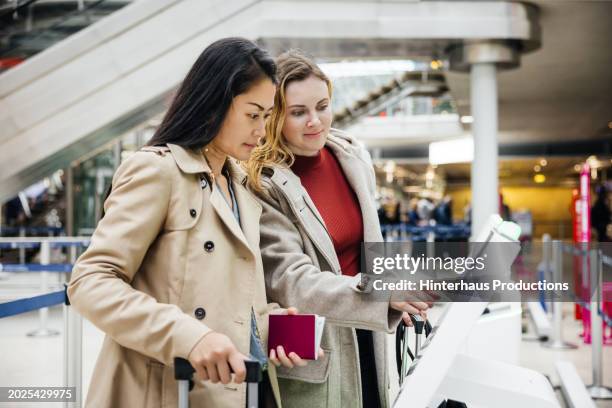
{"type": "Point", "coordinates": [267, 116]}
{"type": "Point", "coordinates": [254, 116]}
{"type": "Point", "coordinates": [323, 107]}
{"type": "Point", "coordinates": [297, 113]}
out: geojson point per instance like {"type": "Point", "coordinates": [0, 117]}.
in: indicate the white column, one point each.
{"type": "Point", "coordinates": [485, 196]}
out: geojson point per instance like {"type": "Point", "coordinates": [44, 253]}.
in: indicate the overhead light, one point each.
{"type": "Point", "coordinates": [430, 174]}
{"type": "Point", "coordinates": [389, 169]}
{"type": "Point", "coordinates": [592, 161]}
{"type": "Point", "coordinates": [389, 166]}
{"type": "Point", "coordinates": [467, 119]}
{"type": "Point", "coordinates": [452, 151]}
{"type": "Point", "coordinates": [539, 178]}
{"type": "Point", "coordinates": [543, 162]}
{"type": "Point", "coordinates": [436, 64]}
{"type": "Point", "coordinates": [537, 168]}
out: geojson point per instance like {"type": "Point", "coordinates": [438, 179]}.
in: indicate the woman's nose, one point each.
{"type": "Point", "coordinates": [314, 121]}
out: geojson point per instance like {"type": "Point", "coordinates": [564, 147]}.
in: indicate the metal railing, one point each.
{"type": "Point", "coordinates": [73, 323]}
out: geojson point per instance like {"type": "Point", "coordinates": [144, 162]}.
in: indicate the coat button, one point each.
{"type": "Point", "coordinates": [209, 246]}
{"type": "Point", "coordinates": [200, 313]}
{"type": "Point", "coordinates": [193, 213]}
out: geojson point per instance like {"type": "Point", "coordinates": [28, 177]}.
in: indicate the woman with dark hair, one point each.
{"type": "Point", "coordinates": [174, 268]}
{"type": "Point", "coordinates": [316, 186]}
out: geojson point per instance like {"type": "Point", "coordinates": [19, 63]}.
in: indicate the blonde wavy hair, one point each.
{"type": "Point", "coordinates": [292, 65]}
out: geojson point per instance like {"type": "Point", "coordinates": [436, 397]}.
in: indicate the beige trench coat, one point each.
{"type": "Point", "coordinates": [167, 264]}
{"type": "Point", "coordinates": [302, 269]}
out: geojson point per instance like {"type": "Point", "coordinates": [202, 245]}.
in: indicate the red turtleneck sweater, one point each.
{"type": "Point", "coordinates": [325, 182]}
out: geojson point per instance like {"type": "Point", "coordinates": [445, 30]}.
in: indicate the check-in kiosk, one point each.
{"type": "Point", "coordinates": [443, 375]}
{"type": "Point", "coordinates": [442, 372]}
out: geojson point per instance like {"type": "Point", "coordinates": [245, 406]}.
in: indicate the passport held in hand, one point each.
{"type": "Point", "coordinates": [298, 333]}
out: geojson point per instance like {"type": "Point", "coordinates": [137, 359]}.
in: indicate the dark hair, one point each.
{"type": "Point", "coordinates": [225, 69]}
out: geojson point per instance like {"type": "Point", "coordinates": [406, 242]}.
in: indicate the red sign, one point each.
{"type": "Point", "coordinates": [584, 232]}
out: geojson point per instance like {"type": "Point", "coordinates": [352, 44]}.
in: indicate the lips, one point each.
{"type": "Point", "coordinates": [313, 135]}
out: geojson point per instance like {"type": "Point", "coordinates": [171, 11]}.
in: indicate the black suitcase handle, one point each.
{"type": "Point", "coordinates": [184, 371]}
{"type": "Point", "coordinates": [420, 326]}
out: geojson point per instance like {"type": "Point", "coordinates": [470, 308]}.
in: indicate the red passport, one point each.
{"type": "Point", "coordinates": [300, 334]}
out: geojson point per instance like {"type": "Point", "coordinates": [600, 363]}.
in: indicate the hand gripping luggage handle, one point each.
{"type": "Point", "coordinates": [184, 371]}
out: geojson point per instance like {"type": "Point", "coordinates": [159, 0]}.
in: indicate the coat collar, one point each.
{"type": "Point", "coordinates": [357, 167]}
{"type": "Point", "coordinates": [338, 139]}
{"type": "Point", "coordinates": [189, 160]}
{"type": "Point", "coordinates": [193, 162]}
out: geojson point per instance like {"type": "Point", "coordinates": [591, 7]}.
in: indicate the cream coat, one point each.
{"type": "Point", "coordinates": [302, 269]}
{"type": "Point", "coordinates": [167, 264]}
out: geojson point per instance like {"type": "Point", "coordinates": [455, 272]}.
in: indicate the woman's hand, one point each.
{"type": "Point", "coordinates": [410, 308]}
{"type": "Point", "coordinates": [215, 357]}
{"type": "Point", "coordinates": [279, 357]}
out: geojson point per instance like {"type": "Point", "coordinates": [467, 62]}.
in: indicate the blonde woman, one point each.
{"type": "Point", "coordinates": [316, 187]}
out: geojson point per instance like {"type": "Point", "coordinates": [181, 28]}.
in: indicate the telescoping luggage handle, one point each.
{"type": "Point", "coordinates": [183, 373]}
{"type": "Point", "coordinates": [402, 349]}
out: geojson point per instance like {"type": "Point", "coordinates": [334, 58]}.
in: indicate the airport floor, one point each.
{"type": "Point", "coordinates": [28, 361]}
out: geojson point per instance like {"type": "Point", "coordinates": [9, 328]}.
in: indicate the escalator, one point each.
{"type": "Point", "coordinates": [100, 82]}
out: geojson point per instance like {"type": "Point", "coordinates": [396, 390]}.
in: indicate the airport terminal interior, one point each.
{"type": "Point", "coordinates": [467, 109]}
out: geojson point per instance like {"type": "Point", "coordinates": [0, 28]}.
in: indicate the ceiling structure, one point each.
{"type": "Point", "coordinates": [562, 91]}
{"type": "Point", "coordinates": [29, 27]}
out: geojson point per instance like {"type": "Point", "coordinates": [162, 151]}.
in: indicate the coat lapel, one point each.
{"type": "Point", "coordinates": [250, 210]}
{"type": "Point", "coordinates": [356, 172]}
{"type": "Point", "coordinates": [190, 161]}
{"type": "Point", "coordinates": [250, 214]}
{"type": "Point", "coordinates": [227, 216]}
{"type": "Point", "coordinates": [307, 214]}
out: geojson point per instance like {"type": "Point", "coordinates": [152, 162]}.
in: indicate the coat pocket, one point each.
{"type": "Point", "coordinates": [316, 372]}
{"type": "Point", "coordinates": [310, 386]}
{"type": "Point", "coordinates": [155, 385]}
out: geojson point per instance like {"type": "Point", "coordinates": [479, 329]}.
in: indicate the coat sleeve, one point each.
{"type": "Point", "coordinates": [292, 279]}
{"type": "Point", "coordinates": [100, 288]}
